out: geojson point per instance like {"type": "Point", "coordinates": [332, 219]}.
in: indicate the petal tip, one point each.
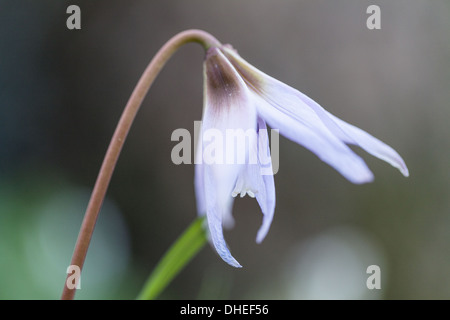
{"type": "Point", "coordinates": [262, 232]}
{"type": "Point", "coordinates": [232, 262]}
{"type": "Point", "coordinates": [226, 256]}
{"type": "Point", "coordinates": [260, 237]}
{"type": "Point", "coordinates": [404, 170]}
{"type": "Point", "coordinates": [364, 177]}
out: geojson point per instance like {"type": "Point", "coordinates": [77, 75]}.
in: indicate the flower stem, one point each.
{"type": "Point", "coordinates": [118, 139]}
{"type": "Point", "coordinates": [181, 252]}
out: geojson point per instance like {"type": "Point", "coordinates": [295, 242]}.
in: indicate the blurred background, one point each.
{"type": "Point", "coordinates": [62, 92]}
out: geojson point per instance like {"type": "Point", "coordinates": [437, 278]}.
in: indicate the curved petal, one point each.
{"type": "Point", "coordinates": [256, 180]}
{"type": "Point", "coordinates": [214, 214]}
{"type": "Point", "coordinates": [228, 106]}
{"type": "Point", "coordinates": [354, 135]}
{"type": "Point", "coordinates": [317, 122]}
{"type": "Point", "coordinates": [266, 195]}
{"type": "Point", "coordinates": [318, 139]}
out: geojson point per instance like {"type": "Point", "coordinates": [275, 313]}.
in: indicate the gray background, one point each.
{"type": "Point", "coordinates": [62, 92]}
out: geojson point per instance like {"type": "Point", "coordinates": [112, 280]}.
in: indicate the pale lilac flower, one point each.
{"type": "Point", "coordinates": [239, 96]}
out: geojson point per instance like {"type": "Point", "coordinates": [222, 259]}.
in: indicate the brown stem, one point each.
{"type": "Point", "coordinates": [118, 139]}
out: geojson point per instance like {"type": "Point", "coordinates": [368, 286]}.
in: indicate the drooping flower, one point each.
{"type": "Point", "coordinates": [237, 96]}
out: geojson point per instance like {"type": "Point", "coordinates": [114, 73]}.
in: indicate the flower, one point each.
{"type": "Point", "coordinates": [237, 96]}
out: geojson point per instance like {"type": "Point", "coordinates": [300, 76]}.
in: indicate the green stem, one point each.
{"type": "Point", "coordinates": [181, 252]}
{"type": "Point", "coordinates": [118, 139]}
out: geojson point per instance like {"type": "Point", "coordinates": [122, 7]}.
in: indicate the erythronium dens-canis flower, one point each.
{"type": "Point", "coordinates": [240, 97]}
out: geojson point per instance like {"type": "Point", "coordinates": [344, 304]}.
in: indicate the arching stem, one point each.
{"type": "Point", "coordinates": [118, 139]}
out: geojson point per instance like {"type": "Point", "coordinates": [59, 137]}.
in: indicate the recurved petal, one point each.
{"type": "Point", "coordinates": [315, 136]}
{"type": "Point", "coordinates": [317, 121]}
{"type": "Point", "coordinates": [354, 135]}
{"type": "Point", "coordinates": [349, 133]}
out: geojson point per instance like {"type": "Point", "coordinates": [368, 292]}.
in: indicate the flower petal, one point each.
{"type": "Point", "coordinates": [314, 136]}
{"type": "Point", "coordinates": [302, 108]}
{"type": "Point", "coordinates": [266, 194]}
{"type": "Point", "coordinates": [214, 214]}
{"type": "Point", "coordinates": [199, 183]}
{"type": "Point", "coordinates": [228, 106]}
{"type": "Point", "coordinates": [354, 135]}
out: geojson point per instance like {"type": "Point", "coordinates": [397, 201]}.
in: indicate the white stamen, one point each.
{"type": "Point", "coordinates": [243, 187]}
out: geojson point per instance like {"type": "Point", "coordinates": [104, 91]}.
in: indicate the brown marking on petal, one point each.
{"type": "Point", "coordinates": [251, 78]}
{"type": "Point", "coordinates": [222, 81]}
